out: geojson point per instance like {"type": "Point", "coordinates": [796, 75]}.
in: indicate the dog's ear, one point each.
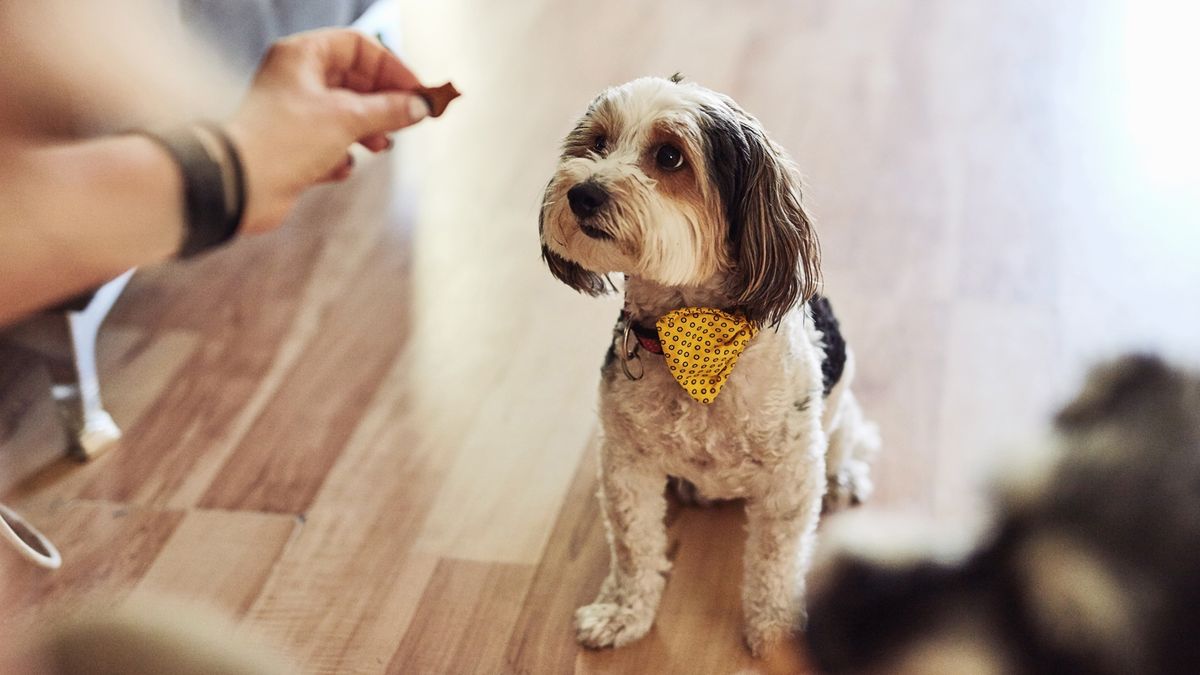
{"type": "Point", "coordinates": [569, 272]}
{"type": "Point", "coordinates": [573, 274]}
{"type": "Point", "coordinates": [1119, 388]}
{"type": "Point", "coordinates": [774, 247]}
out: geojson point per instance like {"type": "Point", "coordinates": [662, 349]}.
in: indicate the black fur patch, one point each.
{"type": "Point", "coordinates": [1115, 388]}
{"type": "Point", "coordinates": [775, 252]}
{"type": "Point", "coordinates": [610, 357]}
{"type": "Point", "coordinates": [573, 274]}
{"type": "Point", "coordinates": [569, 272]}
{"type": "Point", "coordinates": [834, 362]}
{"type": "Point", "coordinates": [875, 611]}
{"type": "Point", "coordinates": [729, 160]}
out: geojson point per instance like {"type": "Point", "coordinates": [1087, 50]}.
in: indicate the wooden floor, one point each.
{"type": "Point", "coordinates": [370, 438]}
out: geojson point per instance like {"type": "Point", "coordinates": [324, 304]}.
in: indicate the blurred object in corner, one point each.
{"type": "Point", "coordinates": [150, 638]}
{"type": "Point", "coordinates": [1089, 567]}
{"type": "Point", "coordinates": [79, 68]}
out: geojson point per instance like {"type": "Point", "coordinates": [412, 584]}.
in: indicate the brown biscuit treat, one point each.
{"type": "Point", "coordinates": [438, 97]}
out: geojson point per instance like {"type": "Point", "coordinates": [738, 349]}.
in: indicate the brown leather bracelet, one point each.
{"type": "Point", "coordinates": [236, 178]}
{"type": "Point", "coordinates": [214, 185]}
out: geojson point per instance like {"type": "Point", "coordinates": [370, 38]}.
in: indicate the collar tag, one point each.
{"type": "Point", "coordinates": [628, 352]}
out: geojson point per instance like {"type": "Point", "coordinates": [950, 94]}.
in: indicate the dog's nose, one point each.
{"type": "Point", "coordinates": [586, 199]}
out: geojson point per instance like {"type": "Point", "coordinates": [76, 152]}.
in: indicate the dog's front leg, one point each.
{"type": "Point", "coordinates": [781, 531]}
{"type": "Point", "coordinates": [631, 496]}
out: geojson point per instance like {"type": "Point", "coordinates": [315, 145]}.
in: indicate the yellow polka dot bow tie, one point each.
{"type": "Point", "coordinates": [701, 345]}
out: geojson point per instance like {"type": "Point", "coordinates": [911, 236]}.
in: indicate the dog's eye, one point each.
{"type": "Point", "coordinates": [669, 157]}
{"type": "Point", "coordinates": [600, 144]}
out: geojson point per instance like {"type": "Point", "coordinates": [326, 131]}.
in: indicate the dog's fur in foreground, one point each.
{"type": "Point", "coordinates": [1090, 567]}
{"type": "Point", "coordinates": [679, 189]}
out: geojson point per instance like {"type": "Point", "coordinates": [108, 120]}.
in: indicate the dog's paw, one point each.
{"type": "Point", "coordinates": [606, 624]}
{"type": "Point", "coordinates": [762, 637]}
{"type": "Point", "coordinates": [851, 487]}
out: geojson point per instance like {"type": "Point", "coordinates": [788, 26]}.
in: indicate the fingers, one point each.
{"type": "Point", "coordinates": [376, 114]}
{"type": "Point", "coordinates": [341, 172]}
{"type": "Point", "coordinates": [361, 63]}
{"type": "Point", "coordinates": [376, 143]}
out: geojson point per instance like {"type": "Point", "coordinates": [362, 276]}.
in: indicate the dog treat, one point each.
{"type": "Point", "coordinates": [438, 97]}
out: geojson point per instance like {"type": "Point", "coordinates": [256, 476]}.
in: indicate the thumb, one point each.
{"type": "Point", "coordinates": [384, 112]}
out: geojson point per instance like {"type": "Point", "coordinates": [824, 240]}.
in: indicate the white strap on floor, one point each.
{"type": "Point", "coordinates": [27, 540]}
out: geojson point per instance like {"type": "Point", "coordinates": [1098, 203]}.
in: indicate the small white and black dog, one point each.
{"type": "Point", "coordinates": [680, 190]}
{"type": "Point", "coordinates": [1091, 567]}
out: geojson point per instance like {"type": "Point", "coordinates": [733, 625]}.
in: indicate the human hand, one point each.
{"type": "Point", "coordinates": [315, 94]}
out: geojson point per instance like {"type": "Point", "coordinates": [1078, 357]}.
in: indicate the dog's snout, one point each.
{"type": "Point", "coordinates": [586, 199]}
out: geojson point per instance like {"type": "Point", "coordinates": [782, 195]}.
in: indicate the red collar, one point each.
{"type": "Point", "coordinates": [647, 337]}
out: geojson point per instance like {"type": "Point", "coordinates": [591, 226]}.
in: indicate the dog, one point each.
{"type": "Point", "coordinates": [1090, 565]}
{"type": "Point", "coordinates": [680, 190]}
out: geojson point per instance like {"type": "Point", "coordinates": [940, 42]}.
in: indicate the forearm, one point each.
{"type": "Point", "coordinates": [73, 216]}
{"type": "Point", "coordinates": [76, 215]}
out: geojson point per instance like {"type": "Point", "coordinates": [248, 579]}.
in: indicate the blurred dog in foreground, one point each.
{"type": "Point", "coordinates": [148, 635]}
{"type": "Point", "coordinates": [1092, 565]}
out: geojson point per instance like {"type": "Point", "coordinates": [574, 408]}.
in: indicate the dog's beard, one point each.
{"type": "Point", "coordinates": [639, 231]}
{"type": "Point", "coordinates": [563, 234]}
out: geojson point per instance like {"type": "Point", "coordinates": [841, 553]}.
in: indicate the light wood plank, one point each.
{"type": "Point", "coordinates": [218, 559]}
{"type": "Point", "coordinates": [344, 590]}
{"type": "Point", "coordinates": [464, 618]}
{"type": "Point", "coordinates": [500, 505]}
{"type": "Point", "coordinates": [286, 454]}
{"type": "Point", "coordinates": [576, 557]}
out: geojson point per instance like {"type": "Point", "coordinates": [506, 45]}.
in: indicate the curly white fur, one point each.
{"type": "Point", "coordinates": [762, 440]}
{"type": "Point", "coordinates": [772, 437]}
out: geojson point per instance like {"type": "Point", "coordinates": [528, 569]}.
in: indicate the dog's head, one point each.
{"type": "Point", "coordinates": [677, 184]}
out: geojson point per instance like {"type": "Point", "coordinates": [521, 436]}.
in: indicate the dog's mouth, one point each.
{"type": "Point", "coordinates": [592, 229]}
